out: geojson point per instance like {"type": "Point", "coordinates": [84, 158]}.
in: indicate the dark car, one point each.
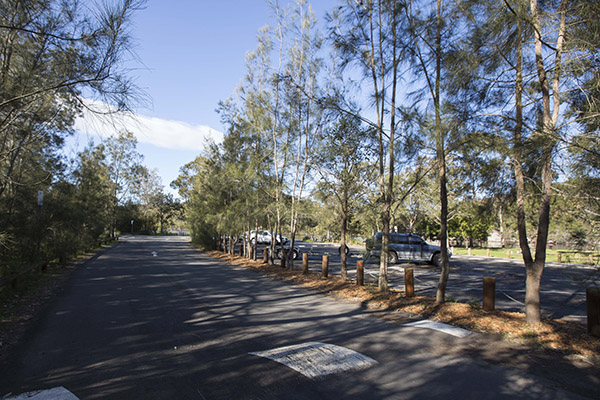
{"type": "Point", "coordinates": [406, 246]}
{"type": "Point", "coordinates": [295, 251]}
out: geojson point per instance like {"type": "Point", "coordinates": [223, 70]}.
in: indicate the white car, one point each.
{"type": "Point", "coordinates": [264, 237]}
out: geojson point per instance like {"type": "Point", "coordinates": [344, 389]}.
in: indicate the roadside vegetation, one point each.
{"type": "Point", "coordinates": [57, 60]}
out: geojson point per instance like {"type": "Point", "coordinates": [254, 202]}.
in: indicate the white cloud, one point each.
{"type": "Point", "coordinates": [163, 133]}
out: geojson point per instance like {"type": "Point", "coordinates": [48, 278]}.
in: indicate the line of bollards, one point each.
{"type": "Point", "coordinates": [489, 287]}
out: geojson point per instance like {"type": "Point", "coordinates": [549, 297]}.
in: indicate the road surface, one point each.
{"type": "Point", "coordinates": [151, 318]}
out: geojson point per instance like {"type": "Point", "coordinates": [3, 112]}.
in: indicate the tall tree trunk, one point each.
{"type": "Point", "coordinates": [518, 152]}
{"type": "Point", "coordinates": [387, 186]}
{"type": "Point", "coordinates": [441, 156]}
{"type": "Point", "coordinates": [548, 140]}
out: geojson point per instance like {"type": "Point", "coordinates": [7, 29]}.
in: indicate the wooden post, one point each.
{"type": "Point", "coordinates": [360, 273]}
{"type": "Point", "coordinates": [325, 265]}
{"type": "Point", "coordinates": [489, 294]}
{"type": "Point", "coordinates": [487, 253]}
{"type": "Point", "coordinates": [592, 259]}
{"type": "Point", "coordinates": [266, 255]}
{"type": "Point", "coordinates": [592, 296]}
{"type": "Point", "coordinates": [409, 282]}
{"type": "Point", "coordinates": [469, 251]}
{"type": "Point", "coordinates": [558, 256]}
{"type": "Point", "coordinates": [508, 253]}
{"type": "Point", "coordinates": [305, 263]}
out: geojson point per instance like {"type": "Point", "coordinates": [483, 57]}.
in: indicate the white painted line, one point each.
{"type": "Point", "coordinates": [59, 393]}
{"type": "Point", "coordinates": [438, 326]}
{"type": "Point", "coordinates": [315, 360]}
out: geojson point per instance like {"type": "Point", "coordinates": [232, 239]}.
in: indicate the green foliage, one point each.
{"type": "Point", "coordinates": [50, 53]}
{"type": "Point", "coordinates": [469, 228]}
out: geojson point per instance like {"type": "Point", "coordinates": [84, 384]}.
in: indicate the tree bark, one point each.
{"type": "Point", "coordinates": [344, 227]}
{"type": "Point", "coordinates": [440, 296]}
{"type": "Point", "coordinates": [548, 141]}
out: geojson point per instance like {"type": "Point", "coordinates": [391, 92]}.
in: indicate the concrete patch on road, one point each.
{"type": "Point", "coordinates": [59, 393]}
{"type": "Point", "coordinates": [315, 360]}
{"type": "Point", "coordinates": [438, 326]}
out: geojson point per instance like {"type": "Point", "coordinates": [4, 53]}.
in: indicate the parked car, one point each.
{"type": "Point", "coordinates": [295, 251]}
{"type": "Point", "coordinates": [347, 250]}
{"type": "Point", "coordinates": [408, 247]}
{"type": "Point", "coordinates": [265, 237]}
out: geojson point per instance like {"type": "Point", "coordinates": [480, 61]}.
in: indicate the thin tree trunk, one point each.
{"type": "Point", "coordinates": [441, 156]}
{"type": "Point", "coordinates": [255, 243]}
{"type": "Point", "coordinates": [344, 228]}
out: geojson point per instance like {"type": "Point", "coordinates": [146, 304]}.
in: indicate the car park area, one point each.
{"type": "Point", "coordinates": [562, 293]}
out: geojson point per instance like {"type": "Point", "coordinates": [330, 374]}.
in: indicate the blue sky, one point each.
{"type": "Point", "coordinates": [192, 56]}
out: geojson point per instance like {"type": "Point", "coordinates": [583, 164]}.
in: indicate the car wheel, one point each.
{"type": "Point", "coordinates": [393, 259]}
{"type": "Point", "coordinates": [436, 259]}
{"type": "Point", "coordinates": [340, 250]}
{"type": "Point", "coordinates": [295, 255]}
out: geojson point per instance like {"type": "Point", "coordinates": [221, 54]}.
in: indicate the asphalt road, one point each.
{"type": "Point", "coordinates": [562, 293]}
{"type": "Point", "coordinates": [152, 318]}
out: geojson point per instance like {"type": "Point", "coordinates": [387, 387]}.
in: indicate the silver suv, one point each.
{"type": "Point", "coordinates": [406, 246]}
{"type": "Point", "coordinates": [265, 237]}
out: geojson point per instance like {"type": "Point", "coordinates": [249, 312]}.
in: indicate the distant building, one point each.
{"type": "Point", "coordinates": [495, 239]}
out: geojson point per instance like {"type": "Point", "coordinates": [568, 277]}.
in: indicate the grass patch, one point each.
{"type": "Point", "coordinates": [566, 256]}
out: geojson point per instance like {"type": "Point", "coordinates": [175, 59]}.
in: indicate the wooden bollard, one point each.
{"type": "Point", "coordinates": [508, 253]}
{"type": "Point", "coordinates": [325, 265]}
{"type": "Point", "coordinates": [360, 273]}
{"type": "Point", "coordinates": [487, 253]}
{"type": "Point", "coordinates": [266, 255]}
{"type": "Point", "coordinates": [409, 282]}
{"type": "Point", "coordinates": [592, 259]}
{"type": "Point", "coordinates": [558, 258]}
{"type": "Point", "coordinates": [469, 251]}
{"type": "Point", "coordinates": [489, 294]}
{"type": "Point", "coordinates": [305, 263]}
{"type": "Point", "coordinates": [592, 297]}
